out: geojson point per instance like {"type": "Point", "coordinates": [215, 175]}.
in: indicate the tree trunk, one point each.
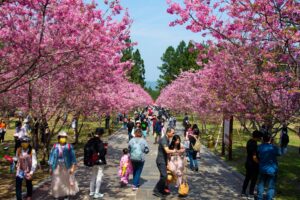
{"type": "Point", "coordinates": [77, 132]}
{"type": "Point", "coordinates": [35, 134]}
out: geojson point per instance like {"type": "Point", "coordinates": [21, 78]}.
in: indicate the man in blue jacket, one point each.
{"type": "Point", "coordinates": [268, 167]}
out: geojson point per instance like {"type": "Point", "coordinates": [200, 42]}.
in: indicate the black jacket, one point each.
{"type": "Point", "coordinates": [98, 145]}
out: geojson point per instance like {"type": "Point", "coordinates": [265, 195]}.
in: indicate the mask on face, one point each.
{"type": "Point", "coordinates": [62, 140]}
{"type": "Point", "coordinates": [25, 145]}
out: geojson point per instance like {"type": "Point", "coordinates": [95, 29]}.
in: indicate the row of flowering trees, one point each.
{"type": "Point", "coordinates": [253, 67]}
{"type": "Point", "coordinates": [63, 57]}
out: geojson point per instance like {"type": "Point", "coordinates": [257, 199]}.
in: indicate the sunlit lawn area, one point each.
{"type": "Point", "coordinates": [288, 182]}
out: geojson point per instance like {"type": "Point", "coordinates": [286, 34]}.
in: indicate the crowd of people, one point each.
{"type": "Point", "coordinates": [173, 151]}
{"type": "Point", "coordinates": [173, 154]}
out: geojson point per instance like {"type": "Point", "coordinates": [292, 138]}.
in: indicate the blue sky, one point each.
{"type": "Point", "coordinates": [151, 31]}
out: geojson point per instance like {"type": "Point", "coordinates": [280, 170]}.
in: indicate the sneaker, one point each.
{"type": "Point", "coordinates": [98, 195]}
{"type": "Point", "coordinates": [243, 196]}
{"type": "Point", "coordinates": [134, 188]}
{"type": "Point", "coordinates": [251, 197]}
{"type": "Point", "coordinates": [92, 193]}
{"type": "Point", "coordinates": [167, 191]}
{"type": "Point", "coordinates": [196, 169]}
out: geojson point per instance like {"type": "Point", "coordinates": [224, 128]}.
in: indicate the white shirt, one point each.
{"type": "Point", "coordinates": [21, 132]}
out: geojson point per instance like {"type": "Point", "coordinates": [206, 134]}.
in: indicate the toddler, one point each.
{"type": "Point", "coordinates": [125, 167]}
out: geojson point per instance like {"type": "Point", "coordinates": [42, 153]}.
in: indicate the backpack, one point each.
{"type": "Point", "coordinates": [285, 139]}
{"type": "Point", "coordinates": [90, 155]}
{"type": "Point", "coordinates": [69, 146]}
{"type": "Point", "coordinates": [136, 151]}
{"type": "Point", "coordinates": [197, 145]}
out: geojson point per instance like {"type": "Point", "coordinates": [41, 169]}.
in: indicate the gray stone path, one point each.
{"type": "Point", "coordinates": [214, 180]}
{"type": "Point", "coordinates": [110, 184]}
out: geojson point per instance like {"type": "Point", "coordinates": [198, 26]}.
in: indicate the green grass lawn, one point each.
{"type": "Point", "coordinates": [7, 181]}
{"type": "Point", "coordinates": [288, 182]}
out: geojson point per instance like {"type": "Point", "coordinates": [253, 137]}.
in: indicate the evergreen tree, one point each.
{"type": "Point", "coordinates": [175, 62]}
{"type": "Point", "coordinates": [137, 72]}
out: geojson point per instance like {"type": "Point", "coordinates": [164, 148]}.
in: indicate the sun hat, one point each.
{"type": "Point", "coordinates": [62, 134]}
{"type": "Point", "coordinates": [25, 139]}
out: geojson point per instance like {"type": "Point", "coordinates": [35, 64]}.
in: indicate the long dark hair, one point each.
{"type": "Point", "coordinates": [172, 145]}
{"type": "Point", "coordinates": [195, 126]}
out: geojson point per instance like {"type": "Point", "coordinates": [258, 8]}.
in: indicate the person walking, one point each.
{"type": "Point", "coordinates": [268, 167]}
{"type": "Point", "coordinates": [96, 160]}
{"type": "Point", "coordinates": [284, 139]}
{"type": "Point", "coordinates": [19, 133]}
{"type": "Point", "coordinates": [158, 130]}
{"type": "Point", "coordinates": [2, 130]}
{"type": "Point", "coordinates": [154, 120]}
{"type": "Point", "coordinates": [130, 126]}
{"type": "Point", "coordinates": [107, 119]}
{"type": "Point", "coordinates": [161, 189]}
{"type": "Point", "coordinates": [26, 166]}
{"type": "Point", "coordinates": [185, 121]}
{"type": "Point", "coordinates": [138, 147]}
{"type": "Point", "coordinates": [176, 160]}
{"type": "Point", "coordinates": [136, 126]}
{"type": "Point", "coordinates": [125, 168]}
{"type": "Point", "coordinates": [62, 162]}
{"type": "Point", "coordinates": [145, 127]}
{"type": "Point", "coordinates": [192, 153]}
{"type": "Point", "coordinates": [251, 164]}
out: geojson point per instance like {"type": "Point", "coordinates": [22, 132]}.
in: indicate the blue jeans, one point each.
{"type": "Point", "coordinates": [269, 181]}
{"type": "Point", "coordinates": [19, 188]}
{"type": "Point", "coordinates": [137, 171]}
{"type": "Point", "coordinates": [193, 159]}
{"type": "Point", "coordinates": [144, 133]}
{"type": "Point", "coordinates": [129, 135]}
{"type": "Point", "coordinates": [283, 150]}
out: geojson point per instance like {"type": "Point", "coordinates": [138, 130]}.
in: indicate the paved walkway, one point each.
{"type": "Point", "coordinates": [213, 181]}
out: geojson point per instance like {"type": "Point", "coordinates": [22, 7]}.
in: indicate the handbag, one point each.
{"type": "Point", "coordinates": [183, 189]}
{"type": "Point", "coordinates": [197, 145]}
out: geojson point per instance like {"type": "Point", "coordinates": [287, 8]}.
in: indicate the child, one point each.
{"type": "Point", "coordinates": [125, 167]}
{"type": "Point", "coordinates": [26, 166]}
{"type": "Point", "coordinates": [176, 160]}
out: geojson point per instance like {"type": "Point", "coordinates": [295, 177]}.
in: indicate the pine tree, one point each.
{"type": "Point", "coordinates": [137, 72]}
{"type": "Point", "coordinates": [175, 62]}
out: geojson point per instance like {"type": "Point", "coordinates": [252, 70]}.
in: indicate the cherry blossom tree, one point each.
{"type": "Point", "coordinates": [253, 56]}
{"type": "Point", "coordinates": [61, 58]}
